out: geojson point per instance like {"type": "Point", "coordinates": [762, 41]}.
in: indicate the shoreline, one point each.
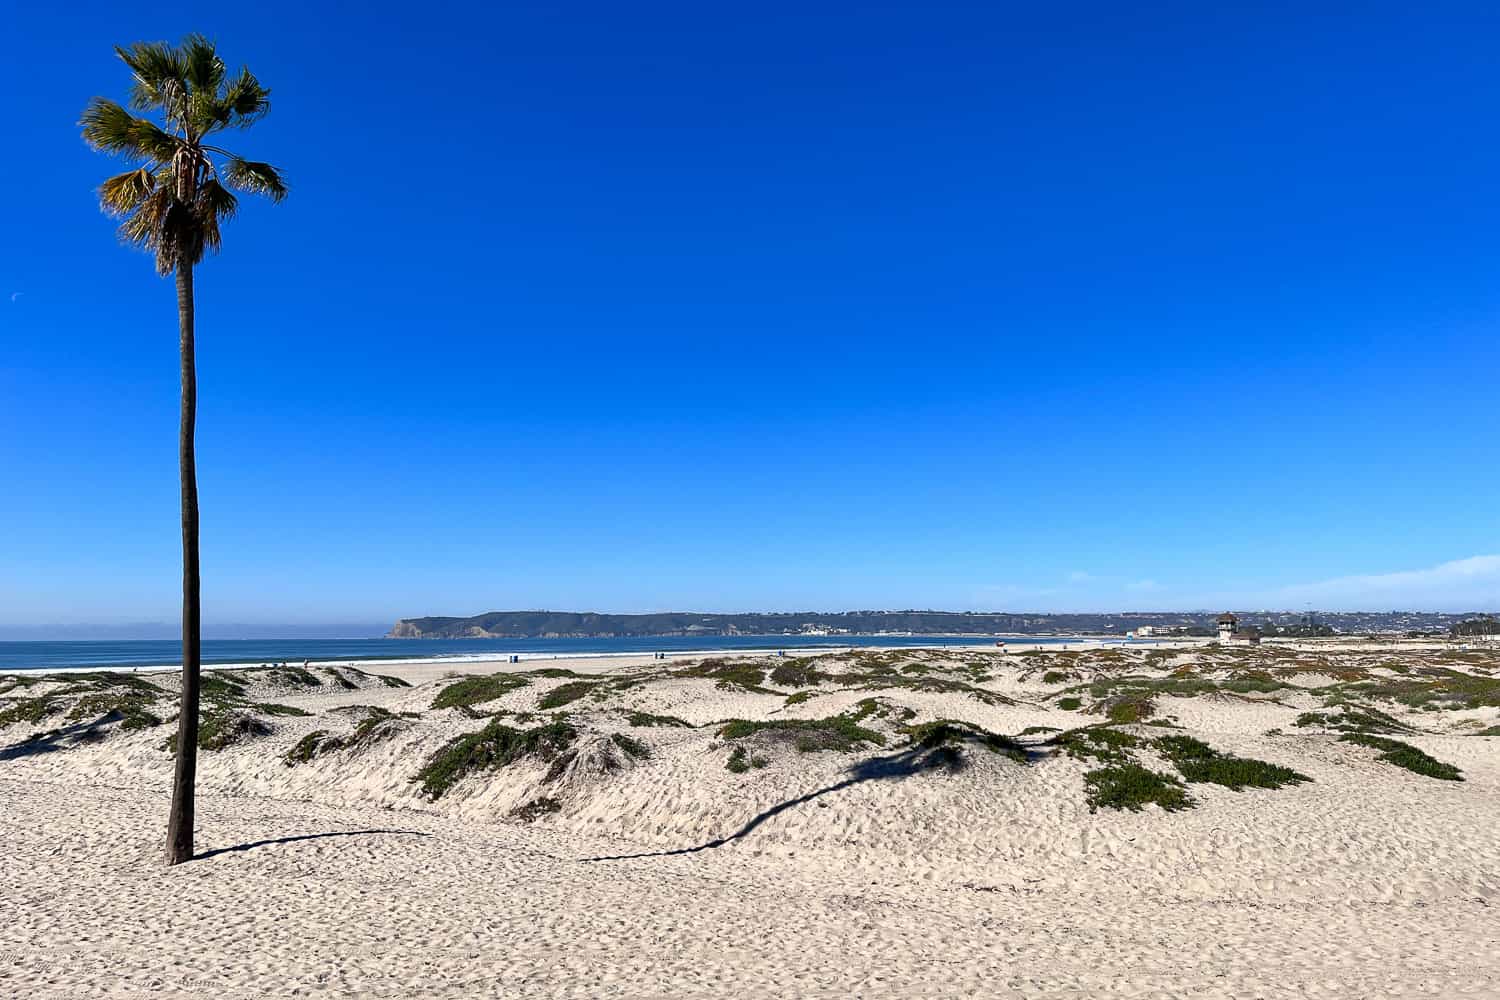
{"type": "Point", "coordinates": [497, 659]}
{"type": "Point", "coordinates": [501, 657]}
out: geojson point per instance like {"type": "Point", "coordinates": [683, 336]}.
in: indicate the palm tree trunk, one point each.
{"type": "Point", "coordinates": [180, 820]}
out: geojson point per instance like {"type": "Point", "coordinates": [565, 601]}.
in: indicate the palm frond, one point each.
{"type": "Point", "coordinates": [175, 232]}
{"type": "Point", "coordinates": [160, 77]}
{"type": "Point", "coordinates": [201, 66]}
{"type": "Point", "coordinates": [208, 230]}
{"type": "Point", "coordinates": [219, 200]}
{"type": "Point", "coordinates": [123, 193]}
{"type": "Point", "coordinates": [111, 129]}
{"type": "Point", "coordinates": [255, 177]}
{"type": "Point", "coordinates": [244, 102]}
{"type": "Point", "coordinates": [216, 204]}
{"type": "Point", "coordinates": [143, 226]}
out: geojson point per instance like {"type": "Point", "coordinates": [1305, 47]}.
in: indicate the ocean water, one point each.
{"type": "Point", "coordinates": [36, 655]}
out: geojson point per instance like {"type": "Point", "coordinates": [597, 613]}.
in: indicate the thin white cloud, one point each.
{"type": "Point", "coordinates": [16, 295]}
{"type": "Point", "coordinates": [1462, 584]}
{"type": "Point", "coordinates": [1471, 584]}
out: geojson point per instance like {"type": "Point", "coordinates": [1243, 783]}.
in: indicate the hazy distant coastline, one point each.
{"type": "Point", "coordinates": [592, 625]}
{"type": "Point", "coordinates": [162, 631]}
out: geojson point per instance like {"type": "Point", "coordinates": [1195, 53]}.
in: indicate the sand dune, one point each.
{"type": "Point", "coordinates": [628, 860]}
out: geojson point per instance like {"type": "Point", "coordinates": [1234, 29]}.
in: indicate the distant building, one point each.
{"type": "Point", "coordinates": [1228, 625]}
{"type": "Point", "coordinates": [1249, 637]}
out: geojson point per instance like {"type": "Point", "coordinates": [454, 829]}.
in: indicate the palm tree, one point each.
{"type": "Point", "coordinates": [172, 203]}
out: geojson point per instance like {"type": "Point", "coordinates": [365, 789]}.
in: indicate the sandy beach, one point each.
{"type": "Point", "coordinates": [856, 850]}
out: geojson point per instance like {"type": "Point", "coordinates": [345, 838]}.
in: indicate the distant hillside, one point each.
{"type": "Point", "coordinates": [589, 625]}
{"type": "Point", "coordinates": [567, 624]}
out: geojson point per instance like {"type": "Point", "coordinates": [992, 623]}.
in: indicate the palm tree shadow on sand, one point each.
{"type": "Point", "coordinates": [65, 738]}
{"type": "Point", "coordinates": [93, 730]}
{"type": "Point", "coordinates": [913, 761]}
{"type": "Point", "coordinates": [303, 836]}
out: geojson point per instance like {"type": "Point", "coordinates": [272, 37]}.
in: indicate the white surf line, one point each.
{"type": "Point", "coordinates": [503, 656]}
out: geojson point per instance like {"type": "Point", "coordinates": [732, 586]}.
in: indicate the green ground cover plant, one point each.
{"type": "Point", "coordinates": [646, 720]}
{"type": "Point", "coordinates": [1354, 719]}
{"type": "Point", "coordinates": [880, 708]}
{"type": "Point", "coordinates": [311, 746]}
{"type": "Point", "coordinates": [1198, 762]}
{"type": "Point", "coordinates": [631, 746]}
{"type": "Point", "coordinates": [566, 694]}
{"type": "Point", "coordinates": [747, 675]}
{"type": "Point", "coordinates": [534, 810]}
{"type": "Point", "coordinates": [220, 728]}
{"type": "Point", "coordinates": [378, 724]}
{"type": "Point", "coordinates": [297, 677]}
{"type": "Point", "coordinates": [1128, 709]}
{"type": "Point", "coordinates": [947, 732]}
{"type": "Point", "coordinates": [273, 708]}
{"type": "Point", "coordinates": [1405, 755]}
{"type": "Point", "coordinates": [1130, 786]}
{"type": "Point", "coordinates": [496, 745]}
{"type": "Point", "coordinates": [1429, 688]}
{"type": "Point", "coordinates": [839, 733]}
{"type": "Point", "coordinates": [1100, 743]}
{"type": "Point", "coordinates": [799, 672]}
{"type": "Point", "coordinates": [31, 710]}
{"type": "Point", "coordinates": [937, 685]}
{"type": "Point", "coordinates": [471, 691]}
{"type": "Point", "coordinates": [105, 696]}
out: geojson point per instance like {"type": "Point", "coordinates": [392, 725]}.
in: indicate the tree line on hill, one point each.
{"type": "Point", "coordinates": [1483, 625]}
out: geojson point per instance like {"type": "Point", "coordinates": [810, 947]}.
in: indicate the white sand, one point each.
{"type": "Point", "coordinates": [336, 878]}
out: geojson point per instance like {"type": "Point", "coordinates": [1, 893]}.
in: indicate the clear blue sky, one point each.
{"type": "Point", "coordinates": [644, 306]}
